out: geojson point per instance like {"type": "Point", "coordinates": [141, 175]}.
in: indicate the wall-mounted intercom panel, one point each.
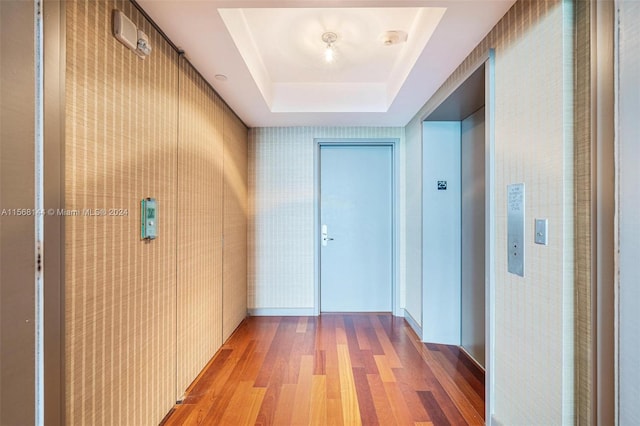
{"type": "Point", "coordinates": [149, 218]}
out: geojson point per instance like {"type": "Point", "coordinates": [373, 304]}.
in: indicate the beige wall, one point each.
{"type": "Point", "coordinates": [200, 225]}
{"type": "Point", "coordinates": [534, 339]}
{"type": "Point", "coordinates": [142, 318]}
{"type": "Point", "coordinates": [584, 355]}
{"type": "Point", "coordinates": [534, 144]}
{"type": "Point", "coordinates": [17, 262]}
{"type": "Point", "coordinates": [120, 291]}
{"type": "Point", "coordinates": [235, 223]}
{"type": "Point", "coordinates": [281, 211]}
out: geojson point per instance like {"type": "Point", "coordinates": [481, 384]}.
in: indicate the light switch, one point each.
{"type": "Point", "coordinates": [541, 231]}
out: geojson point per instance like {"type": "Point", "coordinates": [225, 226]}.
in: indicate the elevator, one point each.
{"type": "Point", "coordinates": [455, 204]}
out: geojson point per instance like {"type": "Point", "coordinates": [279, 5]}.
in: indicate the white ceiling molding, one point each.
{"type": "Point", "coordinates": [329, 97]}
{"type": "Point", "coordinates": [238, 27]}
{"type": "Point", "coordinates": [424, 25]}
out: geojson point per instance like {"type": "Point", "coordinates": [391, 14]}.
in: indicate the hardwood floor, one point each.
{"type": "Point", "coordinates": [335, 369]}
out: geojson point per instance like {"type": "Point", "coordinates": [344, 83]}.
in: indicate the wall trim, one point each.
{"type": "Point", "coordinates": [413, 323]}
{"type": "Point", "coordinates": [490, 234]}
{"type": "Point", "coordinates": [603, 210]}
{"type": "Point", "coordinates": [54, 56]}
{"type": "Point", "coordinates": [281, 312]}
{"type": "Point", "coordinates": [473, 67]}
{"type": "Point", "coordinates": [487, 60]}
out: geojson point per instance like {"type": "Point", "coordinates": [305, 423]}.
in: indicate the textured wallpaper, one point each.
{"type": "Point", "coordinates": [628, 207]}
{"type": "Point", "coordinates": [235, 223]}
{"type": "Point", "coordinates": [584, 356]}
{"type": "Point", "coordinates": [281, 211]}
{"type": "Point", "coordinates": [200, 225]}
{"type": "Point", "coordinates": [534, 315]}
{"type": "Point", "coordinates": [143, 318]}
{"type": "Point", "coordinates": [534, 143]}
{"type": "Point", "coordinates": [121, 131]}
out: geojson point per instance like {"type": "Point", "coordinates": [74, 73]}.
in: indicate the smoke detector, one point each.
{"type": "Point", "coordinates": [389, 38]}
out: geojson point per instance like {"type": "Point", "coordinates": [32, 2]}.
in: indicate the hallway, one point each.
{"type": "Point", "coordinates": [219, 111]}
{"type": "Point", "coordinates": [334, 369]}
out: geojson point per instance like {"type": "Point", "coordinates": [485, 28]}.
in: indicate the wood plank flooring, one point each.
{"type": "Point", "coordinates": [337, 369]}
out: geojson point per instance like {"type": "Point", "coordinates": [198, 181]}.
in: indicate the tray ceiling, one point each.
{"type": "Point", "coordinates": [272, 54]}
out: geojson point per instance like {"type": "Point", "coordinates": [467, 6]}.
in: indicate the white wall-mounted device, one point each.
{"type": "Point", "coordinates": [148, 219]}
{"type": "Point", "coordinates": [130, 35]}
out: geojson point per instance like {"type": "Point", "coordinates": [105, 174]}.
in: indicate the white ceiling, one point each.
{"type": "Point", "coordinates": [273, 55]}
{"type": "Point", "coordinates": [284, 52]}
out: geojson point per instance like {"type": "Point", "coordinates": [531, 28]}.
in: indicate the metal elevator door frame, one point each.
{"type": "Point", "coordinates": [360, 142]}
{"type": "Point", "coordinates": [444, 112]}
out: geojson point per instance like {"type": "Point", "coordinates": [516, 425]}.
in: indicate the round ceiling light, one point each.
{"type": "Point", "coordinates": [329, 38]}
{"type": "Point", "coordinates": [220, 77]}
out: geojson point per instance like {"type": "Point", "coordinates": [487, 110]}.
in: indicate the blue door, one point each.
{"type": "Point", "coordinates": [356, 213]}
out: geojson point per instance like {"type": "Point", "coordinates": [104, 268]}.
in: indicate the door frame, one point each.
{"type": "Point", "coordinates": [395, 212]}
{"type": "Point", "coordinates": [490, 236]}
{"type": "Point", "coordinates": [488, 61]}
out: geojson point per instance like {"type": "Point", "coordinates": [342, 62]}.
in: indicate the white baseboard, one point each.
{"type": "Point", "coordinates": [413, 323]}
{"type": "Point", "coordinates": [494, 421]}
{"type": "Point", "coordinates": [472, 358]}
{"type": "Point", "coordinates": [281, 312]}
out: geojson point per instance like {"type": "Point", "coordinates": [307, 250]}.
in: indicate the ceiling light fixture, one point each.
{"type": "Point", "coordinates": [329, 38]}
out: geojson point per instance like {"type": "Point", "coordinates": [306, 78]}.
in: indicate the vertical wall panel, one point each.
{"type": "Point", "coordinates": [121, 143]}
{"type": "Point", "coordinates": [143, 318]}
{"type": "Point", "coordinates": [534, 122]}
{"type": "Point", "coordinates": [17, 165]}
{"type": "Point", "coordinates": [441, 247]}
{"type": "Point", "coordinates": [200, 221]}
{"type": "Point", "coordinates": [472, 259]}
{"type": "Point", "coordinates": [413, 243]}
{"type": "Point", "coordinates": [235, 223]}
{"type": "Point", "coordinates": [530, 148]}
{"type": "Point", "coordinates": [628, 207]}
{"type": "Point", "coordinates": [583, 220]}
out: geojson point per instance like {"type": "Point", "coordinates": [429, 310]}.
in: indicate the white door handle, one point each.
{"type": "Point", "coordinates": [325, 236]}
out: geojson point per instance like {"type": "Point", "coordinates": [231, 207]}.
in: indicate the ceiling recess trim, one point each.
{"type": "Point", "coordinates": [337, 95]}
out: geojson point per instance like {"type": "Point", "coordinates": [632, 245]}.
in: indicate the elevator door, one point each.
{"type": "Point", "coordinates": [473, 235]}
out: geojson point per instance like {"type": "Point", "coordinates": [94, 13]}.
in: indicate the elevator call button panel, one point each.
{"type": "Point", "coordinates": [515, 228]}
